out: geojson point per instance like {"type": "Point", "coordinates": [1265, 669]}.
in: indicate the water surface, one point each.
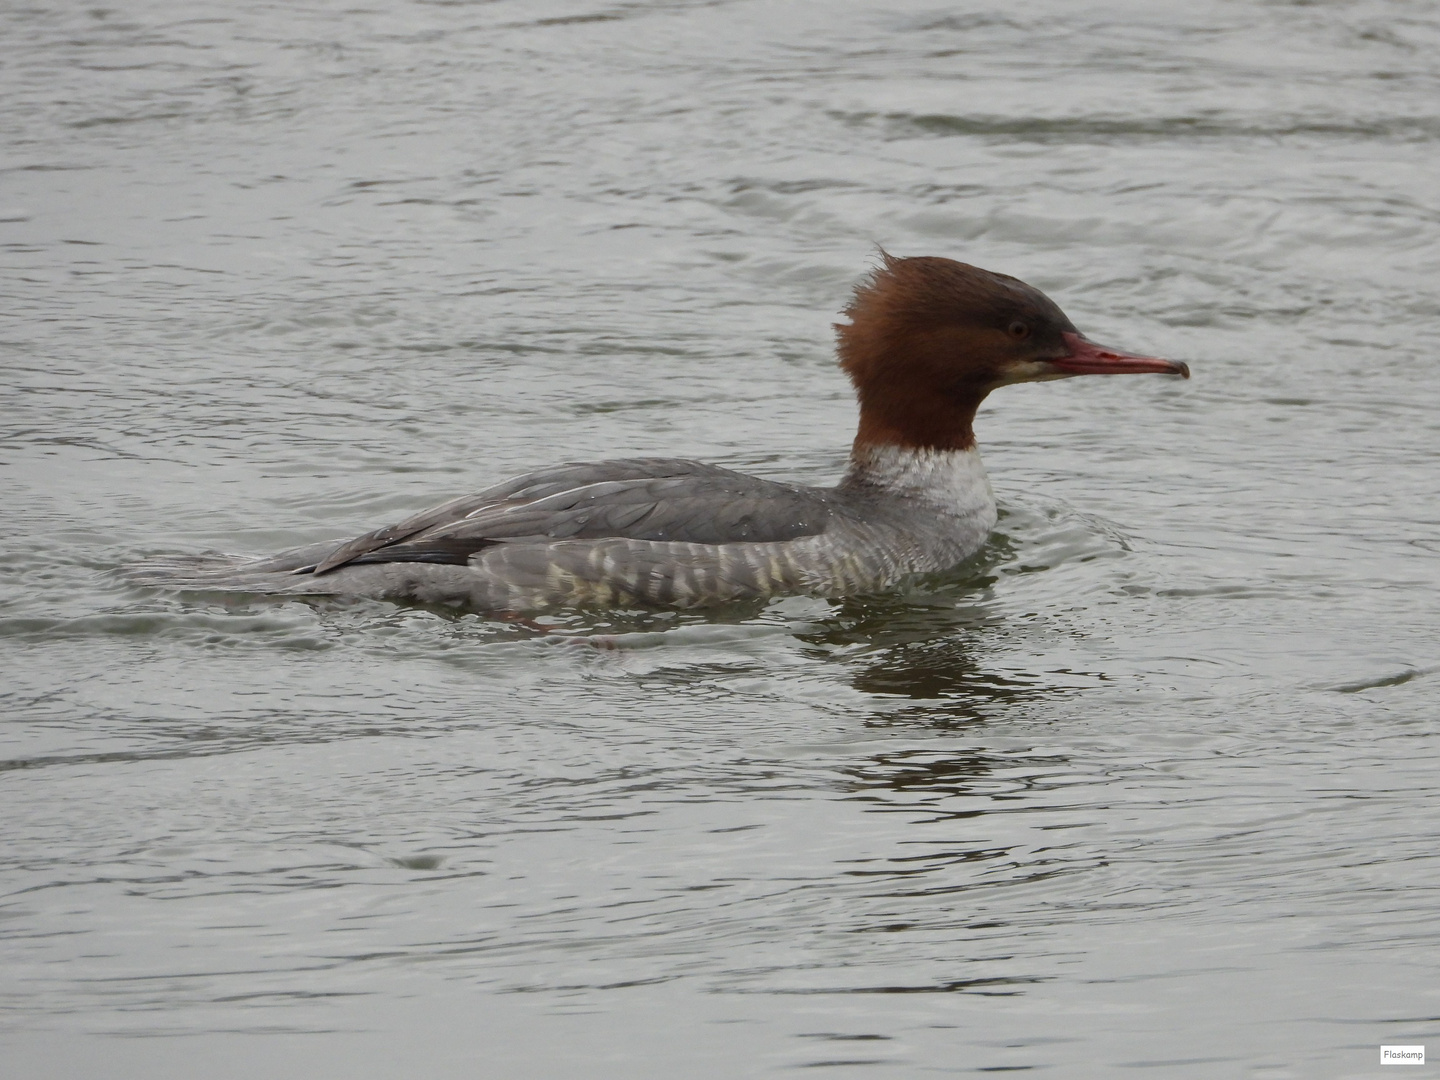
{"type": "Point", "coordinates": [1149, 785]}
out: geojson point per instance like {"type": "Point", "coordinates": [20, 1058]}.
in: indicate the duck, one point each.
{"type": "Point", "coordinates": [927, 340]}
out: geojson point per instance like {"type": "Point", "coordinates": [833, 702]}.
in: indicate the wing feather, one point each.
{"type": "Point", "coordinates": [648, 499]}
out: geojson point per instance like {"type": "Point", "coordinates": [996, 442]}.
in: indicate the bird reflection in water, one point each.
{"type": "Point", "coordinates": [920, 648]}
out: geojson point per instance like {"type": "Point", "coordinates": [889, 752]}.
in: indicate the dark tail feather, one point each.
{"type": "Point", "coordinates": [217, 570]}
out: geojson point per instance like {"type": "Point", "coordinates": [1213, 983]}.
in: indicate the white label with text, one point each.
{"type": "Point", "coordinates": [1402, 1055]}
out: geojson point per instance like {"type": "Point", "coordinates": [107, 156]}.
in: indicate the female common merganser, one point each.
{"type": "Point", "coordinates": [928, 339]}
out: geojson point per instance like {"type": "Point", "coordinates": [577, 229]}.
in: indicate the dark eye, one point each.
{"type": "Point", "coordinates": [1018, 330]}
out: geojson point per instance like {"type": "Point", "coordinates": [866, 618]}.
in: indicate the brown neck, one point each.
{"type": "Point", "coordinates": [912, 391]}
{"type": "Point", "coordinates": [937, 422]}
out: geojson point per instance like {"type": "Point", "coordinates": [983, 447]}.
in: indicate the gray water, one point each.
{"type": "Point", "coordinates": [1148, 787]}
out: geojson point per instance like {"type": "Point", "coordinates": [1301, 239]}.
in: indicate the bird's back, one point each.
{"type": "Point", "coordinates": [644, 531]}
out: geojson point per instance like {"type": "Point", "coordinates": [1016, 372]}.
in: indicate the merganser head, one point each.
{"type": "Point", "coordinates": [929, 338]}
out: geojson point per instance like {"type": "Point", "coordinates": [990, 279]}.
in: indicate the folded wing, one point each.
{"type": "Point", "coordinates": [647, 499]}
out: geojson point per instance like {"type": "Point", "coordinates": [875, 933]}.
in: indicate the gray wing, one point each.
{"type": "Point", "coordinates": [656, 499]}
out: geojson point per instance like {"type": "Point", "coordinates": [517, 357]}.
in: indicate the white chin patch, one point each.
{"type": "Point", "coordinates": [1031, 371]}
